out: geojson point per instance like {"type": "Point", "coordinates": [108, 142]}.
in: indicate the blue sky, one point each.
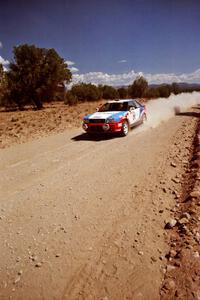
{"type": "Point", "coordinates": [109, 41]}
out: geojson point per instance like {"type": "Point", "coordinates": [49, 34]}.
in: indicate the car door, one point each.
{"type": "Point", "coordinates": [134, 113]}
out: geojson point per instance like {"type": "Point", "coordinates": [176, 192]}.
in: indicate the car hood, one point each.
{"type": "Point", "coordinates": [116, 115]}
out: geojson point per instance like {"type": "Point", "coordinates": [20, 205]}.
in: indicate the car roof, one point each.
{"type": "Point", "coordinates": [120, 100]}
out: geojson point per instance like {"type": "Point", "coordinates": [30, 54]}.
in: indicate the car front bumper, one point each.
{"type": "Point", "coordinates": [102, 127]}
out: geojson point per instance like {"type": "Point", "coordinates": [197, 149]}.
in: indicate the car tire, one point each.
{"type": "Point", "coordinates": [125, 128]}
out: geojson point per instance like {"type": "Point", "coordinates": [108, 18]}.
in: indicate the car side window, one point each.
{"type": "Point", "coordinates": [136, 104]}
{"type": "Point", "coordinates": [131, 104]}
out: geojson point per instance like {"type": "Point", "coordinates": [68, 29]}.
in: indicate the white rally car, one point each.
{"type": "Point", "coordinates": [115, 116]}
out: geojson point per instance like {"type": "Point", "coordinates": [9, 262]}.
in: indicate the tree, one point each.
{"type": "Point", "coordinates": [175, 88]}
{"type": "Point", "coordinates": [1, 72]}
{"type": "Point", "coordinates": [109, 92]}
{"type": "Point", "coordinates": [86, 92]}
{"type": "Point", "coordinates": [152, 93]}
{"type": "Point", "coordinates": [123, 93]}
{"type": "Point", "coordinates": [138, 88]}
{"type": "Point", "coordinates": [35, 75]}
{"type": "Point", "coordinates": [70, 98]}
{"type": "Point", "coordinates": [164, 90]}
{"type": "Point", "coordinates": [3, 87]}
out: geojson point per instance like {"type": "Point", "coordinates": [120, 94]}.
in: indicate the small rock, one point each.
{"type": "Point", "coordinates": [33, 257]}
{"type": "Point", "coordinates": [38, 265]}
{"type": "Point", "coordinates": [170, 223]}
{"type": "Point", "coordinates": [20, 272]}
{"type": "Point", "coordinates": [195, 194]}
{"type": "Point", "coordinates": [153, 259]}
{"type": "Point", "coordinates": [57, 255]}
{"type": "Point", "coordinates": [140, 252]}
{"type": "Point", "coordinates": [197, 295]}
{"type": "Point", "coordinates": [195, 254]}
{"type": "Point", "coordinates": [173, 244]}
{"type": "Point", "coordinates": [172, 253]}
{"type": "Point", "coordinates": [186, 215]}
{"type": "Point", "coordinates": [176, 180]}
{"type": "Point", "coordinates": [104, 298]}
{"type": "Point", "coordinates": [169, 284]}
{"type": "Point", "coordinates": [177, 263]}
{"type": "Point", "coordinates": [13, 119]}
{"type": "Point", "coordinates": [173, 164]}
{"type": "Point", "coordinates": [183, 221]}
{"type": "Point", "coordinates": [17, 279]}
{"type": "Point", "coordinates": [190, 247]}
{"type": "Point", "coordinates": [170, 268]}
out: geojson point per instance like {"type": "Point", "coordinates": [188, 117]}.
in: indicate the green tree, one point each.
{"type": "Point", "coordinates": [152, 93]}
{"type": "Point", "coordinates": [86, 92]}
{"type": "Point", "coordinates": [1, 82]}
{"type": "Point", "coordinates": [35, 75]}
{"type": "Point", "coordinates": [175, 88]}
{"type": "Point", "coordinates": [1, 72]}
{"type": "Point", "coordinates": [138, 88]}
{"type": "Point", "coordinates": [123, 93]}
{"type": "Point", "coordinates": [70, 98]}
{"type": "Point", "coordinates": [164, 90]}
{"type": "Point", "coordinates": [109, 92]}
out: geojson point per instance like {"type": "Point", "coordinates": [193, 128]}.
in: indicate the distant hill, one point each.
{"type": "Point", "coordinates": [182, 85]}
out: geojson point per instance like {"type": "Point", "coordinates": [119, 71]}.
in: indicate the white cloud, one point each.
{"type": "Point", "coordinates": [69, 62]}
{"type": "Point", "coordinates": [1, 45]}
{"type": "Point", "coordinates": [4, 62]}
{"type": "Point", "coordinates": [122, 61]}
{"type": "Point", "coordinates": [74, 69]}
{"type": "Point", "coordinates": [129, 77]}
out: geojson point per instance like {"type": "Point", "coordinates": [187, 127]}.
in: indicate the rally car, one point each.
{"type": "Point", "coordinates": [115, 116]}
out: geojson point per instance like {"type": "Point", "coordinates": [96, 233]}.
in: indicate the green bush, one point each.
{"type": "Point", "coordinates": [70, 98]}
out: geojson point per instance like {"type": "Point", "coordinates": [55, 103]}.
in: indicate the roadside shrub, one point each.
{"type": "Point", "coordinates": [164, 90]}
{"type": "Point", "coordinates": [151, 93]}
{"type": "Point", "coordinates": [70, 98]}
{"type": "Point", "coordinates": [123, 92]}
{"type": "Point", "coordinates": [108, 92]}
{"type": "Point", "coordinates": [86, 92]}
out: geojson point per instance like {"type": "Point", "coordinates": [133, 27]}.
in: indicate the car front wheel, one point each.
{"type": "Point", "coordinates": [125, 128]}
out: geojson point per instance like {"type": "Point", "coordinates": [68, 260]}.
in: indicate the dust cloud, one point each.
{"type": "Point", "coordinates": [162, 109]}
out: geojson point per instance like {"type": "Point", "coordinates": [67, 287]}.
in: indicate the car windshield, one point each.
{"type": "Point", "coordinates": [114, 106]}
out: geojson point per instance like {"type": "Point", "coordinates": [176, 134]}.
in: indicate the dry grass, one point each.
{"type": "Point", "coordinates": [22, 126]}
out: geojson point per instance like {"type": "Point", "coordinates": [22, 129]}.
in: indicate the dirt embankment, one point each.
{"type": "Point", "coordinates": [182, 278]}
{"type": "Point", "coordinates": [18, 127]}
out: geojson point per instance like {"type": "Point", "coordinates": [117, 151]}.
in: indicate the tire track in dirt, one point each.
{"type": "Point", "coordinates": [102, 218]}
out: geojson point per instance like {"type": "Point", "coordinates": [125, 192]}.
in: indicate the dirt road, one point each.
{"type": "Point", "coordinates": [84, 219]}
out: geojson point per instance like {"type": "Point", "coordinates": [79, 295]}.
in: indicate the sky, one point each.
{"type": "Point", "coordinates": [109, 42]}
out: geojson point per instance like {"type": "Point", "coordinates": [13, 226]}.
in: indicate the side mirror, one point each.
{"type": "Point", "coordinates": [97, 109]}
{"type": "Point", "coordinates": [131, 108]}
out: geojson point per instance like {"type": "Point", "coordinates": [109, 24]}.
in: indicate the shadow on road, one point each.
{"type": "Point", "coordinates": [196, 107]}
{"type": "Point", "coordinates": [189, 113]}
{"type": "Point", "coordinates": [95, 138]}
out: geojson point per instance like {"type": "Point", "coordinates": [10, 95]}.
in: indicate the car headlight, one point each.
{"type": "Point", "coordinates": [106, 127]}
